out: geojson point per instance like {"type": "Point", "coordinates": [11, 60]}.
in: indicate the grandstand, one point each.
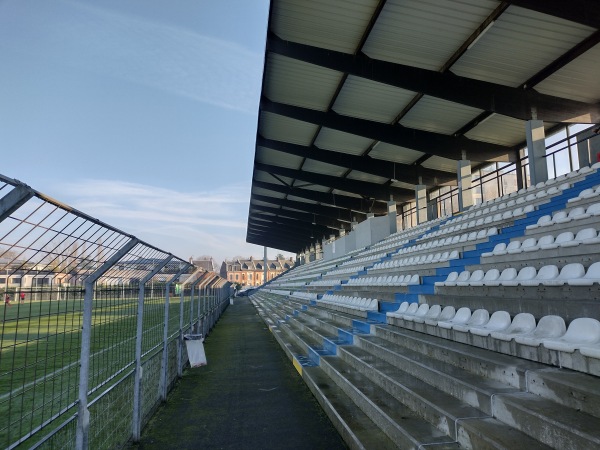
{"type": "Point", "coordinates": [433, 165]}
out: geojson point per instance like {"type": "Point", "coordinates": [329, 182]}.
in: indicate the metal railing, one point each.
{"type": "Point", "coordinates": [92, 328]}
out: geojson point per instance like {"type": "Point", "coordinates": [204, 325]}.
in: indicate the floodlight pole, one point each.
{"type": "Point", "coordinates": [83, 414]}
{"type": "Point", "coordinates": [164, 366]}
{"type": "Point", "coordinates": [137, 381]}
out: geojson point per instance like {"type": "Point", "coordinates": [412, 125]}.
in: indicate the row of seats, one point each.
{"type": "Point", "coordinates": [573, 274]}
{"type": "Point", "coordinates": [583, 334]}
{"type": "Point", "coordinates": [416, 260]}
{"type": "Point", "coordinates": [357, 303]}
{"type": "Point", "coordinates": [547, 242]}
{"type": "Point", "coordinates": [452, 240]}
{"type": "Point", "coordinates": [564, 216]}
{"type": "Point", "coordinates": [489, 219]}
{"type": "Point", "coordinates": [345, 270]}
{"type": "Point", "coordinates": [324, 282]}
{"type": "Point", "coordinates": [391, 280]}
{"type": "Point", "coordinates": [303, 295]}
{"type": "Point", "coordinates": [363, 259]}
{"type": "Point", "coordinates": [586, 194]}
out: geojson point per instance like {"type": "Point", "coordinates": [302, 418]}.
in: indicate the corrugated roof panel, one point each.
{"type": "Point", "coordinates": [569, 81]}
{"type": "Point", "coordinates": [438, 115]}
{"type": "Point", "coordinates": [274, 157]}
{"type": "Point", "coordinates": [262, 203]}
{"type": "Point", "coordinates": [371, 100]}
{"type": "Point", "coordinates": [259, 175]}
{"type": "Point", "coordinates": [425, 33]}
{"type": "Point", "coordinates": [394, 153]}
{"type": "Point", "coordinates": [299, 83]}
{"type": "Point", "coordinates": [400, 184]}
{"type": "Point", "coordinates": [439, 163]}
{"type": "Point", "coordinates": [519, 44]}
{"type": "Point", "coordinates": [334, 24]}
{"type": "Point", "coordinates": [300, 199]}
{"type": "Point", "coordinates": [313, 187]}
{"type": "Point", "coordinates": [499, 129]}
{"type": "Point", "coordinates": [261, 191]}
{"type": "Point", "coordinates": [357, 175]}
{"type": "Point", "coordinates": [281, 128]}
{"type": "Point", "coordinates": [339, 141]}
{"type": "Point", "coordinates": [310, 165]}
{"type": "Point", "coordinates": [347, 194]}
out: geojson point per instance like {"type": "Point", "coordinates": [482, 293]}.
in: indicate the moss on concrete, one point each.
{"type": "Point", "coordinates": [249, 396]}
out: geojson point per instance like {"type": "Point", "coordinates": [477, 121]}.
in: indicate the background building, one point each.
{"type": "Point", "coordinates": [250, 272]}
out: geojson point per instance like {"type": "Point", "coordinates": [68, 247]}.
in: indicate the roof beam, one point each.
{"type": "Point", "coordinates": [301, 216]}
{"type": "Point", "coordinates": [280, 235]}
{"type": "Point", "coordinates": [336, 200]}
{"type": "Point", "coordinates": [484, 95]}
{"type": "Point", "coordinates": [387, 169]}
{"type": "Point", "coordinates": [334, 213]}
{"type": "Point", "coordinates": [585, 12]}
{"type": "Point", "coordinates": [279, 245]}
{"type": "Point", "coordinates": [293, 224]}
{"type": "Point", "coordinates": [366, 188]}
{"type": "Point", "coordinates": [424, 141]}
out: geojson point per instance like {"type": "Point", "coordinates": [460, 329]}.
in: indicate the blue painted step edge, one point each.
{"type": "Point", "coordinates": [377, 317]}
{"type": "Point", "coordinates": [361, 326]}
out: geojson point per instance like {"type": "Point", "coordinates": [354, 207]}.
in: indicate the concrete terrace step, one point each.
{"type": "Point", "coordinates": [446, 381]}
{"type": "Point", "coordinates": [406, 428]}
{"type": "Point", "coordinates": [444, 396]}
{"type": "Point", "coordinates": [547, 421]}
{"type": "Point", "coordinates": [361, 372]}
{"type": "Point", "coordinates": [355, 427]}
{"type": "Point", "coordinates": [575, 390]}
{"type": "Point", "coordinates": [472, 389]}
{"type": "Point", "coordinates": [485, 363]}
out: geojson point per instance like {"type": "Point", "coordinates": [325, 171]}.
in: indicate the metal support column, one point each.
{"type": "Point", "coordinates": [83, 414]}
{"type": "Point", "coordinates": [536, 149]}
{"type": "Point", "coordinates": [137, 380]}
{"type": "Point", "coordinates": [421, 200]}
{"type": "Point", "coordinates": [162, 387]}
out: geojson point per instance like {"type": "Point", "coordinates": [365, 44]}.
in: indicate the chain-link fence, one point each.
{"type": "Point", "coordinates": [92, 328]}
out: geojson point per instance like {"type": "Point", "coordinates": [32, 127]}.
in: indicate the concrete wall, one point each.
{"type": "Point", "coordinates": [364, 234]}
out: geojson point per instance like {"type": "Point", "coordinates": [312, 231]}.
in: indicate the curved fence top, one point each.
{"type": "Point", "coordinates": [46, 239]}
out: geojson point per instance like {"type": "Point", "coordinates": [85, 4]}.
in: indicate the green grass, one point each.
{"type": "Point", "coordinates": [41, 345]}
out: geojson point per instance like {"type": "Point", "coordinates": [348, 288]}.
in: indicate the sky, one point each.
{"type": "Point", "coordinates": [140, 113]}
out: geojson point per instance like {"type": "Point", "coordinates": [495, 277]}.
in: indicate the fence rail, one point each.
{"type": "Point", "coordinates": [92, 328]}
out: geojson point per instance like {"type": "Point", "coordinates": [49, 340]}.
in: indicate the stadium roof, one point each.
{"type": "Point", "coordinates": [363, 99]}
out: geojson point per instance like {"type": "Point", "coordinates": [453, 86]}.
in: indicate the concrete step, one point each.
{"type": "Point", "coordinates": [472, 389]}
{"type": "Point", "coordinates": [575, 390]}
{"type": "Point", "coordinates": [563, 392]}
{"type": "Point", "coordinates": [356, 428]}
{"type": "Point", "coordinates": [361, 371]}
{"type": "Point", "coordinates": [485, 363]}
{"type": "Point", "coordinates": [547, 421]}
{"type": "Point", "coordinates": [406, 428]}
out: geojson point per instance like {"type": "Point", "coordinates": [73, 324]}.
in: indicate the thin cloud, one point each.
{"type": "Point", "coordinates": [142, 204]}
{"type": "Point", "coordinates": [160, 56]}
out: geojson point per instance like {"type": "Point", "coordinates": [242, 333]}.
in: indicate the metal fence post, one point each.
{"type": "Point", "coordinates": [180, 340]}
{"type": "Point", "coordinates": [181, 309]}
{"type": "Point", "coordinates": [83, 415]}
{"type": "Point", "coordinates": [165, 356]}
{"type": "Point", "coordinates": [192, 306]}
{"type": "Point", "coordinates": [137, 381]}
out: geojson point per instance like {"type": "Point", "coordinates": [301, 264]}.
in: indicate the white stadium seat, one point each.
{"type": "Point", "coordinates": [582, 331]}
